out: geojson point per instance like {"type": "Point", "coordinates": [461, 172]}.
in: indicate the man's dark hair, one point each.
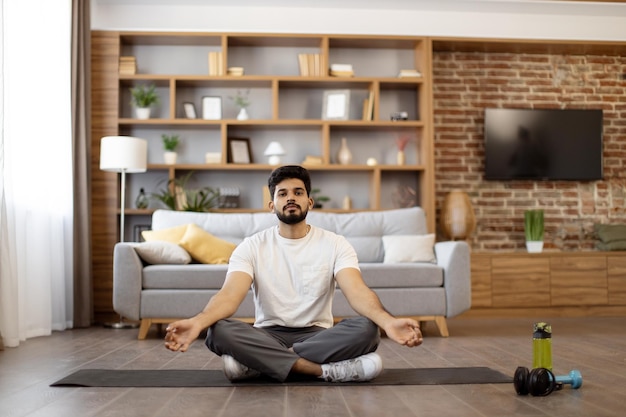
{"type": "Point", "coordinates": [286, 172]}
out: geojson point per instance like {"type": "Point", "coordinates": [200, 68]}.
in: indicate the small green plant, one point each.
{"type": "Point", "coordinates": [241, 99]}
{"type": "Point", "coordinates": [170, 142]}
{"type": "Point", "coordinates": [533, 225]}
{"type": "Point", "coordinates": [318, 200]}
{"type": "Point", "coordinates": [144, 96]}
{"type": "Point", "coordinates": [176, 193]}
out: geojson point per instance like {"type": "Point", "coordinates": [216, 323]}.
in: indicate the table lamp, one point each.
{"type": "Point", "coordinates": [274, 150]}
{"type": "Point", "coordinates": [123, 154]}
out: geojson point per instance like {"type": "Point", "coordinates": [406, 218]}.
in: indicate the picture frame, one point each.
{"type": "Point", "coordinates": [336, 105]}
{"type": "Point", "coordinates": [211, 108]}
{"type": "Point", "coordinates": [238, 151]}
{"type": "Point", "coordinates": [190, 110]}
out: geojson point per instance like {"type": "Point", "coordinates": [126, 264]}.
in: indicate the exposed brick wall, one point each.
{"type": "Point", "coordinates": [467, 83]}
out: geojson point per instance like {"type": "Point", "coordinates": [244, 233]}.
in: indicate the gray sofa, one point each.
{"type": "Point", "coordinates": [428, 291]}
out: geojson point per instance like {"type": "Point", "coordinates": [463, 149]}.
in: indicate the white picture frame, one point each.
{"type": "Point", "coordinates": [190, 110]}
{"type": "Point", "coordinates": [211, 108]}
{"type": "Point", "coordinates": [336, 105]}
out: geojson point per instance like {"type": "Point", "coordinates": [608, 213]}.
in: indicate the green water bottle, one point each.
{"type": "Point", "coordinates": [542, 345]}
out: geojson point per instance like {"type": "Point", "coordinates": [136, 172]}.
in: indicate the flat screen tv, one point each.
{"type": "Point", "coordinates": [543, 144]}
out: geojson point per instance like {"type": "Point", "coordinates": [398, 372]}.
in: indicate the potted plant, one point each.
{"type": "Point", "coordinates": [143, 97]}
{"type": "Point", "coordinates": [318, 200]}
{"type": "Point", "coordinates": [241, 101]}
{"type": "Point", "coordinates": [170, 143]}
{"type": "Point", "coordinates": [533, 230]}
{"type": "Point", "coordinates": [177, 196]}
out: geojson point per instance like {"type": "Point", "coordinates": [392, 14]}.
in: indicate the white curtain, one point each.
{"type": "Point", "coordinates": [35, 169]}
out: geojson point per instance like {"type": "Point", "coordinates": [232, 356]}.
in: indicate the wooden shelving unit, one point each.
{"type": "Point", "coordinates": [285, 106]}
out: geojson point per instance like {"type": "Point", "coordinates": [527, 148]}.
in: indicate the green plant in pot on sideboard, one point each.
{"type": "Point", "coordinates": [533, 230]}
{"type": "Point", "coordinates": [170, 143]}
{"type": "Point", "coordinates": [143, 98]}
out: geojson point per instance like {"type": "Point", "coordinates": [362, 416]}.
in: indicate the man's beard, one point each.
{"type": "Point", "coordinates": [292, 218]}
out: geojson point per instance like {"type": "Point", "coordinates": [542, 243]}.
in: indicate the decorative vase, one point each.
{"type": "Point", "coordinates": [141, 202]}
{"type": "Point", "coordinates": [401, 157]}
{"type": "Point", "coordinates": [142, 113]}
{"type": "Point", "coordinates": [457, 215]}
{"type": "Point", "coordinates": [170, 157]}
{"type": "Point", "coordinates": [534, 246]}
{"type": "Point", "coordinates": [344, 156]}
{"type": "Point", "coordinates": [243, 114]}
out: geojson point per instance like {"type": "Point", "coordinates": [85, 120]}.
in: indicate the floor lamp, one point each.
{"type": "Point", "coordinates": [123, 154]}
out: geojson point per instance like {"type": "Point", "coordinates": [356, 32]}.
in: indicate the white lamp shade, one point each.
{"type": "Point", "coordinates": [274, 148]}
{"type": "Point", "coordinates": [123, 153]}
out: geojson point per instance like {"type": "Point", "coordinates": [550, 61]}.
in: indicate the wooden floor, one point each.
{"type": "Point", "coordinates": [595, 346]}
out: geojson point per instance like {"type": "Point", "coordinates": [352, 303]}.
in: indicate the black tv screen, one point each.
{"type": "Point", "coordinates": [543, 144]}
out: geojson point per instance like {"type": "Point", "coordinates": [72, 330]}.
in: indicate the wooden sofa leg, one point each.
{"type": "Point", "coordinates": [144, 328]}
{"type": "Point", "coordinates": [442, 325]}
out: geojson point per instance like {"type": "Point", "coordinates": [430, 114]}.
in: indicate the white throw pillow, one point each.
{"type": "Point", "coordinates": [409, 248]}
{"type": "Point", "coordinates": [162, 252]}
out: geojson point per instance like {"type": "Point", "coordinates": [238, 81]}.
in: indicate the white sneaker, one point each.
{"type": "Point", "coordinates": [363, 368]}
{"type": "Point", "coordinates": [236, 371]}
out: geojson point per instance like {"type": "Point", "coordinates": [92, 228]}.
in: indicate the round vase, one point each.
{"type": "Point", "coordinates": [142, 113]}
{"type": "Point", "coordinates": [243, 114]}
{"type": "Point", "coordinates": [457, 215]}
{"type": "Point", "coordinates": [344, 156]}
{"type": "Point", "coordinates": [534, 246]}
{"type": "Point", "coordinates": [170, 157]}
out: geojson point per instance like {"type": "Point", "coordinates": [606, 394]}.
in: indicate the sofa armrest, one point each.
{"type": "Point", "coordinates": [127, 280]}
{"type": "Point", "coordinates": [454, 258]}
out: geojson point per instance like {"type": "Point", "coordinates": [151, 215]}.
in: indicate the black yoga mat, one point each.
{"type": "Point", "coordinates": [213, 378]}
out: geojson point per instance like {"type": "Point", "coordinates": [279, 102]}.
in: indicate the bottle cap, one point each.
{"type": "Point", "coordinates": [542, 330]}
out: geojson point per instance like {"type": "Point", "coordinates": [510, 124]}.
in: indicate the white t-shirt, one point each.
{"type": "Point", "coordinates": [293, 279]}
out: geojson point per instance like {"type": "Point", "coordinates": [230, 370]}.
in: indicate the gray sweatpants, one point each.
{"type": "Point", "coordinates": [267, 349]}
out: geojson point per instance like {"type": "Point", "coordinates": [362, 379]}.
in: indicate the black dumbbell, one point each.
{"type": "Point", "coordinates": [541, 381]}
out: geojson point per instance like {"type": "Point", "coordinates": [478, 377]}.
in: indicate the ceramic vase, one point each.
{"type": "Point", "coordinates": [457, 215]}
{"type": "Point", "coordinates": [401, 158]}
{"type": "Point", "coordinates": [243, 114]}
{"type": "Point", "coordinates": [344, 156]}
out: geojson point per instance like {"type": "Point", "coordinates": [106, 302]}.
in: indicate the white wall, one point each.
{"type": "Point", "coordinates": [523, 19]}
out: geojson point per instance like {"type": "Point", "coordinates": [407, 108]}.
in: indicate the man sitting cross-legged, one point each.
{"type": "Point", "coordinates": [293, 269]}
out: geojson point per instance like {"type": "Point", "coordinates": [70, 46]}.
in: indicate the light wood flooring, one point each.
{"type": "Point", "coordinates": [595, 346]}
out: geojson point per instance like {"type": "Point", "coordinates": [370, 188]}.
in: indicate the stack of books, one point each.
{"type": "Point", "coordinates": [313, 160]}
{"type": "Point", "coordinates": [341, 70]}
{"type": "Point", "coordinates": [128, 65]}
{"type": "Point", "coordinates": [408, 73]}
{"type": "Point", "coordinates": [310, 65]}
{"type": "Point", "coordinates": [216, 63]}
{"type": "Point", "coordinates": [235, 71]}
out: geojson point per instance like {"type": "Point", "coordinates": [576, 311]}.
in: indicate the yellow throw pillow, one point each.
{"type": "Point", "coordinates": [206, 248]}
{"type": "Point", "coordinates": [172, 235]}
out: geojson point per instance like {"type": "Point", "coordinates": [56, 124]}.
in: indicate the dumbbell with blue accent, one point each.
{"type": "Point", "coordinates": [574, 378]}
{"type": "Point", "coordinates": [541, 381]}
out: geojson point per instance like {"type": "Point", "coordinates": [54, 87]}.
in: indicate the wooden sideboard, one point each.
{"type": "Point", "coordinates": [550, 283]}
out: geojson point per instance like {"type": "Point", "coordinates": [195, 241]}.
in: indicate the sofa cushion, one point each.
{"type": "Point", "coordinates": [204, 247]}
{"type": "Point", "coordinates": [192, 276]}
{"type": "Point", "coordinates": [401, 275]}
{"type": "Point", "coordinates": [409, 248]}
{"type": "Point", "coordinates": [162, 252]}
{"type": "Point", "coordinates": [171, 234]}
